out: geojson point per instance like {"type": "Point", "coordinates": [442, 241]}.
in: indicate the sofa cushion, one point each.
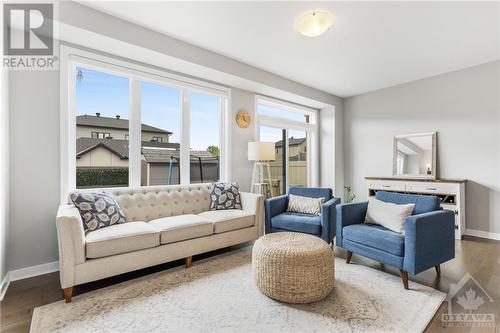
{"type": "Point", "coordinates": [121, 238]}
{"type": "Point", "coordinates": [423, 203]}
{"type": "Point", "coordinates": [375, 236]}
{"type": "Point", "coordinates": [227, 220]}
{"type": "Point", "coordinates": [177, 228]}
{"type": "Point", "coordinates": [310, 224]}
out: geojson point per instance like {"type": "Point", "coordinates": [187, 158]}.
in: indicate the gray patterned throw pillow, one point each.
{"type": "Point", "coordinates": [98, 209]}
{"type": "Point", "coordinates": [225, 196]}
{"type": "Point", "coordinates": [305, 205]}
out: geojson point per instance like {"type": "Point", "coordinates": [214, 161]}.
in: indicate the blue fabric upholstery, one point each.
{"type": "Point", "coordinates": [423, 203]}
{"type": "Point", "coordinates": [428, 241]}
{"type": "Point", "coordinates": [273, 207]}
{"type": "Point", "coordinates": [376, 236]}
{"type": "Point", "coordinates": [312, 192]}
{"type": "Point", "coordinates": [278, 219]}
{"type": "Point", "coordinates": [348, 214]}
{"type": "Point", "coordinates": [373, 253]}
{"type": "Point", "coordinates": [306, 223]}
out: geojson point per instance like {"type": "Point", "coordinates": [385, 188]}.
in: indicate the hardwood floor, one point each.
{"type": "Point", "coordinates": [479, 257]}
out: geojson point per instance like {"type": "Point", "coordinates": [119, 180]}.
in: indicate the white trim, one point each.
{"type": "Point", "coordinates": [134, 133]}
{"type": "Point", "coordinates": [285, 105]}
{"type": "Point", "coordinates": [482, 234]}
{"type": "Point", "coordinates": [311, 128]}
{"type": "Point", "coordinates": [185, 144]}
{"type": "Point", "coordinates": [27, 272]}
{"type": "Point", "coordinates": [72, 57]}
{"type": "Point", "coordinates": [4, 286]}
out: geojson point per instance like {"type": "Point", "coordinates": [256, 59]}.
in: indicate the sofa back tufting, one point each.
{"type": "Point", "coordinates": [153, 202]}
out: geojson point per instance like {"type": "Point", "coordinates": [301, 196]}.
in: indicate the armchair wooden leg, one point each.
{"type": "Point", "coordinates": [348, 257]}
{"type": "Point", "coordinates": [68, 292]}
{"type": "Point", "coordinates": [189, 261]}
{"type": "Point", "coordinates": [404, 277]}
{"type": "Point", "coordinates": [438, 270]}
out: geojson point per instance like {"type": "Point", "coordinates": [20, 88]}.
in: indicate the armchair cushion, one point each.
{"type": "Point", "coordinates": [306, 223]}
{"type": "Point", "coordinates": [376, 236]}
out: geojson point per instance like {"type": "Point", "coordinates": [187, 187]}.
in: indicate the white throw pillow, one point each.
{"type": "Point", "coordinates": [306, 205]}
{"type": "Point", "coordinates": [388, 215]}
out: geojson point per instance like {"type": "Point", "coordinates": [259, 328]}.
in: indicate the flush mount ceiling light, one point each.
{"type": "Point", "coordinates": [314, 22]}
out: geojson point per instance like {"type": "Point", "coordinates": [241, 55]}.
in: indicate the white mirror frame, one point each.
{"type": "Point", "coordinates": [394, 155]}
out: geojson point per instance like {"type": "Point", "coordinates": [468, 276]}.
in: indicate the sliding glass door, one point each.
{"type": "Point", "coordinates": [292, 129]}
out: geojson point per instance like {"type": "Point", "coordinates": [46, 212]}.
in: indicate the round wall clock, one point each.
{"type": "Point", "coordinates": [243, 118]}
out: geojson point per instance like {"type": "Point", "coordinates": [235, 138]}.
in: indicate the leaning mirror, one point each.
{"type": "Point", "coordinates": [414, 155]}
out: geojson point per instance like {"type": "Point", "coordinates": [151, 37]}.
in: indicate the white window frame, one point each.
{"type": "Point", "coordinates": [71, 58]}
{"type": "Point", "coordinates": [311, 128]}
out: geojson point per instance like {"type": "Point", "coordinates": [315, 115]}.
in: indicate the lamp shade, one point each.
{"type": "Point", "coordinates": [261, 151]}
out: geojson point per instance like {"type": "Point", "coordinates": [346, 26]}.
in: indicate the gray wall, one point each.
{"type": "Point", "coordinates": [4, 172]}
{"type": "Point", "coordinates": [462, 106]}
{"type": "Point", "coordinates": [34, 167]}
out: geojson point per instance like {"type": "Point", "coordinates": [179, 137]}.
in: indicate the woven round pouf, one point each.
{"type": "Point", "coordinates": [293, 267]}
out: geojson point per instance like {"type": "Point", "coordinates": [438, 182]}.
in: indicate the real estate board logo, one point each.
{"type": "Point", "coordinates": [28, 40]}
{"type": "Point", "coordinates": [469, 305]}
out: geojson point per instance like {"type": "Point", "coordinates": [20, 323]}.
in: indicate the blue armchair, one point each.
{"type": "Point", "coordinates": [428, 240]}
{"type": "Point", "coordinates": [278, 219]}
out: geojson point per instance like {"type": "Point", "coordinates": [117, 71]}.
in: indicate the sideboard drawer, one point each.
{"type": "Point", "coordinates": [388, 186]}
{"type": "Point", "coordinates": [431, 188]}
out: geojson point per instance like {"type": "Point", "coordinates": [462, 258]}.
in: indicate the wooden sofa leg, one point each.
{"type": "Point", "coordinates": [348, 257]}
{"type": "Point", "coordinates": [404, 277]}
{"type": "Point", "coordinates": [438, 270]}
{"type": "Point", "coordinates": [68, 292]}
{"type": "Point", "coordinates": [189, 261]}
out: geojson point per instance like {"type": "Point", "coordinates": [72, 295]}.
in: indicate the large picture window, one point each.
{"type": "Point", "coordinates": [293, 131]}
{"type": "Point", "coordinates": [128, 125]}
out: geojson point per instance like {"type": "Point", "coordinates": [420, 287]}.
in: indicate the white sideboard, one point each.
{"type": "Point", "coordinates": [451, 192]}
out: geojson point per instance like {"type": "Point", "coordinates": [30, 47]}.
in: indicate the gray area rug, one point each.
{"type": "Point", "coordinates": [218, 295]}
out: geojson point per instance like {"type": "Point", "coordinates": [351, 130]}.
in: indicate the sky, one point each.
{"type": "Point", "coordinates": [160, 106]}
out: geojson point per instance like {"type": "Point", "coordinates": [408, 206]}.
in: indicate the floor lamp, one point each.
{"type": "Point", "coordinates": [261, 153]}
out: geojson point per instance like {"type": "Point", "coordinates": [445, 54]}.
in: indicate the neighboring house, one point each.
{"type": "Point", "coordinates": [102, 143]}
{"type": "Point", "coordinates": [297, 149]}
{"type": "Point", "coordinates": [105, 127]}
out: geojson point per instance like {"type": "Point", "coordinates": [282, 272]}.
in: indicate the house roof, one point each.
{"type": "Point", "coordinates": [291, 142]}
{"type": "Point", "coordinates": [107, 122]}
{"type": "Point", "coordinates": [153, 152]}
{"type": "Point", "coordinates": [118, 147]}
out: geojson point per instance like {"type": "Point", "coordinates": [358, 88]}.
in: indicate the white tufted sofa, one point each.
{"type": "Point", "coordinates": [164, 223]}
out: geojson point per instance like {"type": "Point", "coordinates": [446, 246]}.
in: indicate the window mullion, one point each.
{"type": "Point", "coordinates": [134, 133]}
{"type": "Point", "coordinates": [185, 165]}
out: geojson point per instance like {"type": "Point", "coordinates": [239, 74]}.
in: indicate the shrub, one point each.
{"type": "Point", "coordinates": [101, 177]}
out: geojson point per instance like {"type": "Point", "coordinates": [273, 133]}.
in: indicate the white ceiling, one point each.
{"type": "Point", "coordinates": [372, 45]}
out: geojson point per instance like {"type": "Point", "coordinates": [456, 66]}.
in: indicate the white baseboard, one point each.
{"type": "Point", "coordinates": [27, 272]}
{"type": "Point", "coordinates": [4, 286]}
{"type": "Point", "coordinates": [482, 234]}
{"type": "Point", "coordinates": [31, 271]}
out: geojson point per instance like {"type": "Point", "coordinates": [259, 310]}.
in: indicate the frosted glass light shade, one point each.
{"type": "Point", "coordinates": [314, 22]}
{"type": "Point", "coordinates": [261, 151]}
